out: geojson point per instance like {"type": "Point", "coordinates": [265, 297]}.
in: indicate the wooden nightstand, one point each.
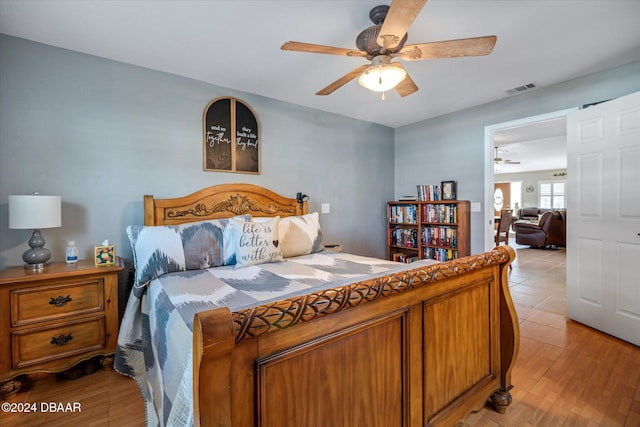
{"type": "Point", "coordinates": [52, 320]}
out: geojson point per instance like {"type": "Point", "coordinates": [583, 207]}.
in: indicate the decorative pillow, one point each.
{"type": "Point", "coordinates": [256, 242]}
{"type": "Point", "coordinates": [158, 250]}
{"type": "Point", "coordinates": [228, 240]}
{"type": "Point", "coordinates": [300, 235]}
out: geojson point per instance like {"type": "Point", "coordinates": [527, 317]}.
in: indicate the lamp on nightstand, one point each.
{"type": "Point", "coordinates": [35, 212]}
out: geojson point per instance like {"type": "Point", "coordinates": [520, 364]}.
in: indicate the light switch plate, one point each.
{"type": "Point", "coordinates": [325, 208]}
{"type": "Point", "coordinates": [475, 206]}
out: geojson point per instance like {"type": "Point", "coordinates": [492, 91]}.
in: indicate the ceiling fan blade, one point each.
{"type": "Point", "coordinates": [317, 48]}
{"type": "Point", "coordinates": [406, 86]}
{"type": "Point", "coordinates": [343, 80]}
{"type": "Point", "coordinates": [401, 15]}
{"type": "Point", "coordinates": [501, 161]}
{"type": "Point", "coordinates": [475, 46]}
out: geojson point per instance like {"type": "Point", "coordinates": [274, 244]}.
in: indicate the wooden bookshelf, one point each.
{"type": "Point", "coordinates": [437, 230]}
{"type": "Point", "coordinates": [403, 231]}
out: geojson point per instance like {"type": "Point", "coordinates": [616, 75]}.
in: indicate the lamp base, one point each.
{"type": "Point", "coordinates": [37, 267]}
{"type": "Point", "coordinates": [36, 258]}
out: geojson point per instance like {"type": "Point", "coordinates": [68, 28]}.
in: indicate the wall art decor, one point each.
{"type": "Point", "coordinates": [231, 137]}
{"type": "Point", "coordinates": [449, 190]}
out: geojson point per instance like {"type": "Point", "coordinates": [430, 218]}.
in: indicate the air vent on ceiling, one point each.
{"type": "Point", "coordinates": [523, 88]}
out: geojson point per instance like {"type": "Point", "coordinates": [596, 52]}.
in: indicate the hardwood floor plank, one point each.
{"type": "Point", "coordinates": [103, 398]}
{"type": "Point", "coordinates": [572, 375]}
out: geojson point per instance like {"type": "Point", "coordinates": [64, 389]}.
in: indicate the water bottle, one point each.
{"type": "Point", "coordinates": [72, 252]}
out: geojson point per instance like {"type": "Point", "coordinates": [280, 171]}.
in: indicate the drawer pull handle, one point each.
{"type": "Point", "coordinates": [60, 301]}
{"type": "Point", "coordinates": [61, 339]}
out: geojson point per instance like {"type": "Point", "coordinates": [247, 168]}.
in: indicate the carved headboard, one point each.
{"type": "Point", "coordinates": [220, 201]}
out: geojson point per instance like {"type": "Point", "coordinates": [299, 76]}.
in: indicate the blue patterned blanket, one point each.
{"type": "Point", "coordinates": [155, 340]}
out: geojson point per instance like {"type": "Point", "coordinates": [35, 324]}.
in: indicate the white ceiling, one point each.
{"type": "Point", "coordinates": [236, 44]}
{"type": "Point", "coordinates": [539, 145]}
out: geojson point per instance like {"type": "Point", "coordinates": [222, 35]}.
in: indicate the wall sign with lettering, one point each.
{"type": "Point", "coordinates": [231, 137]}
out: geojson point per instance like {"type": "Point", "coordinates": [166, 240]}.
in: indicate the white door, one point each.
{"type": "Point", "coordinates": [603, 217]}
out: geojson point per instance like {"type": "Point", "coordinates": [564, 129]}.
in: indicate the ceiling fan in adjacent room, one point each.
{"type": "Point", "coordinates": [385, 41]}
{"type": "Point", "coordinates": [500, 161]}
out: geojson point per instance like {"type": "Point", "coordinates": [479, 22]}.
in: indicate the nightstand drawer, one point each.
{"type": "Point", "coordinates": [31, 305]}
{"type": "Point", "coordinates": [39, 345]}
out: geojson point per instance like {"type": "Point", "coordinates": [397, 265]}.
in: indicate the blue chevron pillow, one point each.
{"type": "Point", "coordinates": [159, 250]}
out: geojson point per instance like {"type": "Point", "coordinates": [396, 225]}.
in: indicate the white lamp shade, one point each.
{"type": "Point", "coordinates": [381, 78]}
{"type": "Point", "coordinates": [34, 212]}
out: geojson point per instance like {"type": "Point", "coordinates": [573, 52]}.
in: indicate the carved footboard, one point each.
{"type": "Point", "coordinates": [422, 347]}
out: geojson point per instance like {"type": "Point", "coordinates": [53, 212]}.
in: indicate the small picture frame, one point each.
{"type": "Point", "coordinates": [449, 190]}
{"type": "Point", "coordinates": [105, 255]}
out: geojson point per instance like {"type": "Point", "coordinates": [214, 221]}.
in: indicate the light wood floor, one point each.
{"type": "Point", "coordinates": [566, 374]}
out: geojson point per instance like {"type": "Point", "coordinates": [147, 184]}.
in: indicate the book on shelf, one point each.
{"type": "Point", "coordinates": [443, 213]}
{"type": "Point", "coordinates": [440, 254]}
{"type": "Point", "coordinates": [440, 236]}
{"type": "Point", "coordinates": [402, 257]}
{"type": "Point", "coordinates": [403, 237]}
{"type": "Point", "coordinates": [427, 193]}
{"type": "Point", "coordinates": [403, 214]}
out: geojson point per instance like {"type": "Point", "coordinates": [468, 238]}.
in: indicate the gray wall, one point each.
{"type": "Point", "coordinates": [101, 134]}
{"type": "Point", "coordinates": [452, 147]}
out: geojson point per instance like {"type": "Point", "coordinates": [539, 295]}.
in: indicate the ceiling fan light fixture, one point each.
{"type": "Point", "coordinates": [382, 76]}
{"type": "Point", "coordinates": [386, 39]}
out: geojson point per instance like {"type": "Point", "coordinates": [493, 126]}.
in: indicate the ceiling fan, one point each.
{"type": "Point", "coordinates": [500, 161]}
{"type": "Point", "coordinates": [384, 41]}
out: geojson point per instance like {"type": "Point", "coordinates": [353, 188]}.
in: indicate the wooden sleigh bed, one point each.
{"type": "Point", "coordinates": [420, 347]}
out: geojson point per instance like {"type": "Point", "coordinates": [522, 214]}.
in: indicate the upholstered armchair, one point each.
{"type": "Point", "coordinates": [550, 230]}
{"type": "Point", "coordinates": [530, 214]}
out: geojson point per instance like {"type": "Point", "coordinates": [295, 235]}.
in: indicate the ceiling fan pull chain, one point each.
{"type": "Point", "coordinates": [380, 80]}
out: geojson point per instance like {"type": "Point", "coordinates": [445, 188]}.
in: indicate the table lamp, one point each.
{"type": "Point", "coordinates": [35, 212]}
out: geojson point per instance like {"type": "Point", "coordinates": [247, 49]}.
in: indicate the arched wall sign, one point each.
{"type": "Point", "coordinates": [231, 137]}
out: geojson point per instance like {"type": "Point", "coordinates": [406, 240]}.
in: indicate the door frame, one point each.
{"type": "Point", "coordinates": [489, 178]}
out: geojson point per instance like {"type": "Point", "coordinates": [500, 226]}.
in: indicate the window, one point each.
{"type": "Point", "coordinates": [552, 194]}
{"type": "Point", "coordinates": [516, 195]}
{"type": "Point", "coordinates": [498, 200]}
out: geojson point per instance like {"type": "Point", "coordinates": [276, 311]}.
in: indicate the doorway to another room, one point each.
{"type": "Point", "coordinates": [507, 195]}
{"type": "Point", "coordinates": [520, 155]}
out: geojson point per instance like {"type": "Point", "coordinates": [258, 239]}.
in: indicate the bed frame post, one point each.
{"type": "Point", "coordinates": [213, 344]}
{"type": "Point", "coordinates": [149, 210]}
{"type": "Point", "coordinates": [509, 338]}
